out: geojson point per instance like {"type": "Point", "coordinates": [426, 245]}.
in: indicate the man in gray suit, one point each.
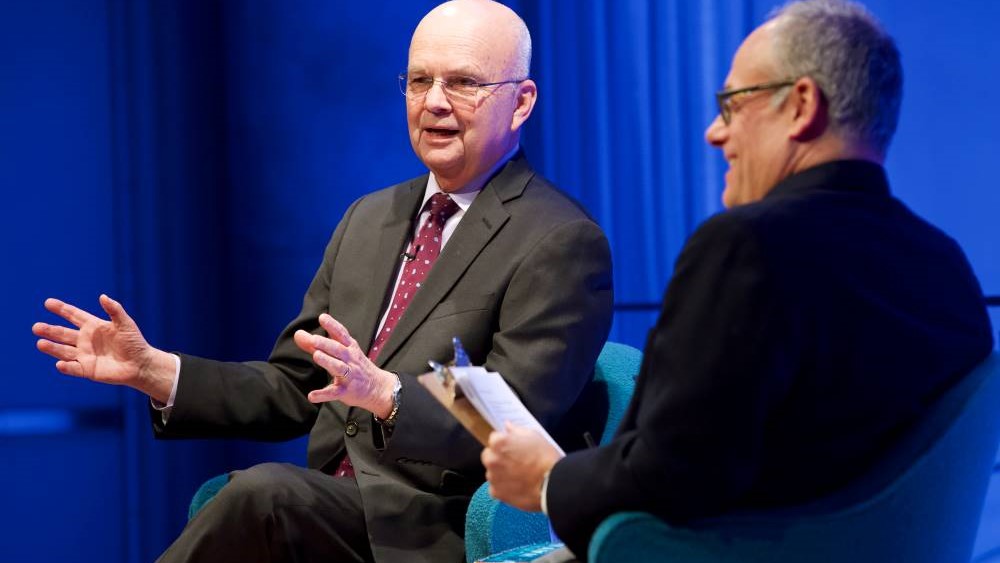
{"type": "Point", "coordinates": [497, 257]}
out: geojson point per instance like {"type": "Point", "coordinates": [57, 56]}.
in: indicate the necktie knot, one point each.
{"type": "Point", "coordinates": [442, 207]}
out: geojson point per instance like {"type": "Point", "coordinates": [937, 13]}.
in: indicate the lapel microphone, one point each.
{"type": "Point", "coordinates": [408, 257]}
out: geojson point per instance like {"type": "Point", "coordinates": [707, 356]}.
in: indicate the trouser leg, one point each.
{"type": "Point", "coordinates": [277, 512]}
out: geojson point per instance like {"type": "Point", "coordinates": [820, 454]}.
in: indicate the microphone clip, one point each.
{"type": "Point", "coordinates": [411, 255]}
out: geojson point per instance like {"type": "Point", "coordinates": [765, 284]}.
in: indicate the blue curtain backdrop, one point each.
{"type": "Point", "coordinates": [625, 98]}
{"type": "Point", "coordinates": [191, 158]}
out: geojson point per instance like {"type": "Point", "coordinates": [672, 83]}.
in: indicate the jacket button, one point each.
{"type": "Point", "coordinates": [351, 429]}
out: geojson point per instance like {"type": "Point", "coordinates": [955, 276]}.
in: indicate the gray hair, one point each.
{"type": "Point", "coordinates": [841, 46]}
{"type": "Point", "coordinates": [522, 56]}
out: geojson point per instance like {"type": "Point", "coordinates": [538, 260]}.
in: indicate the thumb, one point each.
{"type": "Point", "coordinates": [114, 309]}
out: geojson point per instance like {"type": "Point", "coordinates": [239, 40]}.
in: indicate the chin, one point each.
{"type": "Point", "coordinates": [440, 160]}
{"type": "Point", "coordinates": [728, 198]}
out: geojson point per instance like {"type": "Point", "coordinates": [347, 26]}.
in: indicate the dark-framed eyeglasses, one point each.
{"type": "Point", "coordinates": [457, 88]}
{"type": "Point", "coordinates": [724, 98]}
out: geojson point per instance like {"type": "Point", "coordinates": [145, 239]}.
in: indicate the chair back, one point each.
{"type": "Point", "coordinates": [920, 504]}
{"type": "Point", "coordinates": [490, 525]}
{"type": "Point", "coordinates": [616, 370]}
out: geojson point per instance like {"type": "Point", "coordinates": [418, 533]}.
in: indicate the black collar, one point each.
{"type": "Point", "coordinates": [840, 175]}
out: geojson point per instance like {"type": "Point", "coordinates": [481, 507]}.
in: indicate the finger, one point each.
{"type": "Point", "coordinates": [330, 347]}
{"type": "Point", "coordinates": [117, 313]}
{"type": "Point", "coordinates": [304, 340]}
{"type": "Point", "coordinates": [336, 330]}
{"type": "Point", "coordinates": [57, 351]}
{"type": "Point", "coordinates": [70, 368]}
{"type": "Point", "coordinates": [495, 439]}
{"type": "Point", "coordinates": [488, 457]}
{"type": "Point", "coordinates": [74, 315]}
{"type": "Point", "coordinates": [333, 366]}
{"type": "Point", "coordinates": [331, 392]}
{"type": "Point", "coordinates": [55, 333]}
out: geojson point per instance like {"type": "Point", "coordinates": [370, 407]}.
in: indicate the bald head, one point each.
{"type": "Point", "coordinates": [471, 58]}
{"type": "Point", "coordinates": [491, 21]}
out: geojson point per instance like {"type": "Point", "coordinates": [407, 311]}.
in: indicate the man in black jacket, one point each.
{"type": "Point", "coordinates": [804, 329]}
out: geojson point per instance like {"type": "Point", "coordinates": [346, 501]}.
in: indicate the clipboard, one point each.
{"type": "Point", "coordinates": [482, 401]}
{"type": "Point", "coordinates": [446, 391]}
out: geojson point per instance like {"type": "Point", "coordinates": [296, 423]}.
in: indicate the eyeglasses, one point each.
{"type": "Point", "coordinates": [458, 88]}
{"type": "Point", "coordinates": [725, 97]}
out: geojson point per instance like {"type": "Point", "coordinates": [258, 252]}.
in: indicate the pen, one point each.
{"type": "Point", "coordinates": [461, 358]}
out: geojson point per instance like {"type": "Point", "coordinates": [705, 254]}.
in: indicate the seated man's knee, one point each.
{"type": "Point", "coordinates": [261, 486]}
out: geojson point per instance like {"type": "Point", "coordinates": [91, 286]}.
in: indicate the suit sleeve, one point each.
{"type": "Point", "coordinates": [256, 400]}
{"type": "Point", "coordinates": [553, 319]}
{"type": "Point", "coordinates": [714, 364]}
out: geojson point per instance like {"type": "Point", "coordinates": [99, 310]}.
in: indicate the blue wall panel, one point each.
{"type": "Point", "coordinates": [192, 158]}
{"type": "Point", "coordinates": [61, 498]}
{"type": "Point", "coordinates": [55, 172]}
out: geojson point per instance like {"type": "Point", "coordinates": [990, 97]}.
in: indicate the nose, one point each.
{"type": "Point", "coordinates": [436, 101]}
{"type": "Point", "coordinates": [717, 132]}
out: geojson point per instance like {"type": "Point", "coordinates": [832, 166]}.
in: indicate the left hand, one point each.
{"type": "Point", "coordinates": [516, 462]}
{"type": "Point", "coordinates": [355, 380]}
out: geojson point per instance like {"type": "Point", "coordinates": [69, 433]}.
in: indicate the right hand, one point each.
{"type": "Point", "coordinates": [113, 352]}
{"type": "Point", "coordinates": [516, 461]}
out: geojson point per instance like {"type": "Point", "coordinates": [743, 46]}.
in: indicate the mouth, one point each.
{"type": "Point", "coordinates": [441, 132]}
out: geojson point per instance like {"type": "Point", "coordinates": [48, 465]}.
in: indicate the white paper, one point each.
{"type": "Point", "coordinates": [496, 401]}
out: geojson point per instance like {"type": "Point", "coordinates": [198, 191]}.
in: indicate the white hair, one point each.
{"type": "Point", "coordinates": [522, 56]}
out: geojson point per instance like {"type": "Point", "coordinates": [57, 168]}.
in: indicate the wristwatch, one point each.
{"type": "Point", "coordinates": [390, 421]}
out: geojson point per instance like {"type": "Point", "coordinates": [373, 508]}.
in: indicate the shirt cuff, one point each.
{"type": "Point", "coordinates": [545, 491]}
{"type": "Point", "coordinates": [166, 408]}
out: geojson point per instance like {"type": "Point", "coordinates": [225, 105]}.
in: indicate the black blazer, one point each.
{"type": "Point", "coordinates": [799, 336]}
{"type": "Point", "coordinates": [524, 281]}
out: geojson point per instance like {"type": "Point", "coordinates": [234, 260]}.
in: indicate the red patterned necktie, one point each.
{"type": "Point", "coordinates": [424, 251]}
{"type": "Point", "coordinates": [417, 263]}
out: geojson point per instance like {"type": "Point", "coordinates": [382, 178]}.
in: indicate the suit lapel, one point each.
{"type": "Point", "coordinates": [393, 234]}
{"type": "Point", "coordinates": [483, 220]}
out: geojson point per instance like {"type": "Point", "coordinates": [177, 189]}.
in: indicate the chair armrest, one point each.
{"type": "Point", "coordinates": [640, 536]}
{"type": "Point", "coordinates": [206, 492]}
{"type": "Point", "coordinates": [492, 526]}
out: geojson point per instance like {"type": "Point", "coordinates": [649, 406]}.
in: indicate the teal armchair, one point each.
{"type": "Point", "coordinates": [920, 504]}
{"type": "Point", "coordinates": [492, 526]}
{"type": "Point", "coordinates": [206, 492]}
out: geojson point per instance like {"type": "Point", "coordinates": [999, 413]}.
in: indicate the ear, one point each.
{"type": "Point", "coordinates": [809, 110]}
{"type": "Point", "coordinates": [527, 94]}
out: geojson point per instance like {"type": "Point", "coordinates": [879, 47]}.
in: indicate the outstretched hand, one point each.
{"type": "Point", "coordinates": [516, 461]}
{"type": "Point", "coordinates": [113, 352]}
{"type": "Point", "coordinates": [354, 379]}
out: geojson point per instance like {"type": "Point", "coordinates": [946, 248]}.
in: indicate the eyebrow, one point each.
{"type": "Point", "coordinates": [460, 71]}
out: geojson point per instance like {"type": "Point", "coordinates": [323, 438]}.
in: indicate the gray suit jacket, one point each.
{"type": "Point", "coordinates": [524, 281]}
